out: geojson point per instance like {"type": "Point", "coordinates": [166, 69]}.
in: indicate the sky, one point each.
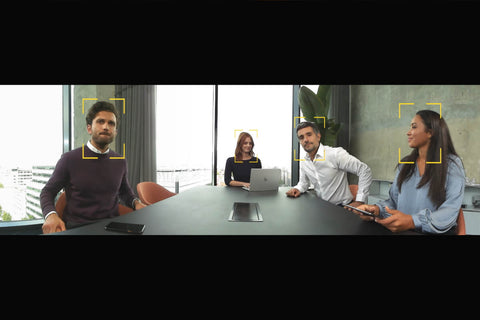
{"type": "Point", "coordinates": [30, 125]}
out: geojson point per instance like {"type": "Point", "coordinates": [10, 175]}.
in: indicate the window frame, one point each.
{"type": "Point", "coordinates": [34, 226]}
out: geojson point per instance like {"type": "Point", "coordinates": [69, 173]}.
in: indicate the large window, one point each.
{"type": "Point", "coordinates": [264, 111]}
{"type": "Point", "coordinates": [185, 130]}
{"type": "Point", "coordinates": [31, 140]}
{"type": "Point", "coordinates": [184, 135]}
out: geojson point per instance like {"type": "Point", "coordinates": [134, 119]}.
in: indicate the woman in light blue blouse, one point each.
{"type": "Point", "coordinates": [426, 194]}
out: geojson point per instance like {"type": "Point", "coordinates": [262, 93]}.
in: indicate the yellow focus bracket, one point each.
{"type": "Point", "coordinates": [411, 104]}
{"type": "Point", "coordinates": [295, 151]}
{"type": "Point", "coordinates": [295, 123]}
{"type": "Point", "coordinates": [434, 162]}
{"type": "Point", "coordinates": [83, 111]}
{"type": "Point", "coordinates": [295, 156]}
{"type": "Point", "coordinates": [83, 103]}
{"type": "Point", "coordinates": [256, 130]}
{"type": "Point", "coordinates": [94, 99]}
{"type": "Point", "coordinates": [436, 103]}
{"type": "Point", "coordinates": [83, 153]}
{"type": "Point", "coordinates": [235, 135]}
{"type": "Point", "coordinates": [400, 157]}
{"type": "Point", "coordinates": [241, 161]}
{"type": "Point", "coordinates": [235, 132]}
{"type": "Point", "coordinates": [123, 157]}
{"type": "Point", "coordinates": [120, 99]}
{"type": "Point", "coordinates": [235, 160]}
{"type": "Point", "coordinates": [399, 116]}
{"type": "Point", "coordinates": [427, 162]}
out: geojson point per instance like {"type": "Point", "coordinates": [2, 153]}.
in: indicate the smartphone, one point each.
{"type": "Point", "coordinates": [131, 228]}
{"type": "Point", "coordinates": [362, 211]}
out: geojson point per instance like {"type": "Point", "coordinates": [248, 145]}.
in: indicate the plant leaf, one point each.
{"type": "Point", "coordinates": [309, 103]}
{"type": "Point", "coordinates": [323, 93]}
{"type": "Point", "coordinates": [330, 140]}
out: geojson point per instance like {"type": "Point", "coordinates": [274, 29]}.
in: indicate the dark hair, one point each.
{"type": "Point", "coordinates": [435, 174]}
{"type": "Point", "coordinates": [306, 124]}
{"type": "Point", "coordinates": [241, 139]}
{"type": "Point", "coordinates": [101, 106]}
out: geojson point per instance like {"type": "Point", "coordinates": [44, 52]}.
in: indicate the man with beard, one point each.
{"type": "Point", "coordinates": [326, 168]}
{"type": "Point", "coordinates": [93, 182]}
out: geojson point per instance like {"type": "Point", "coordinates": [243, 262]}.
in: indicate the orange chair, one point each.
{"type": "Point", "coordinates": [354, 190]}
{"type": "Point", "coordinates": [151, 192]}
{"type": "Point", "coordinates": [461, 229]}
{"type": "Point", "coordinates": [62, 203]}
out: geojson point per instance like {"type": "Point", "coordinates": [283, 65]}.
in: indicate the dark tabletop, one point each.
{"type": "Point", "coordinates": [205, 210]}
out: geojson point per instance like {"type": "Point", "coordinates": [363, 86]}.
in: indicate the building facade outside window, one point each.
{"type": "Point", "coordinates": [31, 136]}
{"type": "Point", "coordinates": [184, 135]}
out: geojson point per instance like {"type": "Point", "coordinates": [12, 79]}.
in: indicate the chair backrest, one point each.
{"type": "Point", "coordinates": [461, 228]}
{"type": "Point", "coordinates": [151, 192]}
{"type": "Point", "coordinates": [354, 190]}
{"type": "Point", "coordinates": [62, 203]}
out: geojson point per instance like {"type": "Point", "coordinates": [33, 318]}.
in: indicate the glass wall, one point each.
{"type": "Point", "coordinates": [184, 135]}
{"type": "Point", "coordinates": [31, 139]}
{"type": "Point", "coordinates": [264, 111]}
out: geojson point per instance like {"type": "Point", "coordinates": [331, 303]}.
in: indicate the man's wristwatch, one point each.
{"type": "Point", "coordinates": [133, 202]}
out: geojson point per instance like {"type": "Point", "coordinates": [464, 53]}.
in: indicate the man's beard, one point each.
{"type": "Point", "coordinates": [311, 147]}
{"type": "Point", "coordinates": [102, 140]}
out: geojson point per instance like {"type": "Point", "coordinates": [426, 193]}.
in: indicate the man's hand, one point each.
{"type": "Point", "coordinates": [53, 224]}
{"type": "Point", "coordinates": [397, 222]}
{"type": "Point", "coordinates": [295, 193]}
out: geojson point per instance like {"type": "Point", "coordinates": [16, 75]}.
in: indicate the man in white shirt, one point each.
{"type": "Point", "coordinates": [326, 168]}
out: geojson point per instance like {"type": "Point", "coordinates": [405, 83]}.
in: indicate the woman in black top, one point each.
{"type": "Point", "coordinates": [241, 164]}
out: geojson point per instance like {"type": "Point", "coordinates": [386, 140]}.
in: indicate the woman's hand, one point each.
{"type": "Point", "coordinates": [234, 183]}
{"type": "Point", "coordinates": [397, 222]}
{"type": "Point", "coordinates": [366, 207]}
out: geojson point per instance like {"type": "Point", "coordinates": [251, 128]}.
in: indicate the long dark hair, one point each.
{"type": "Point", "coordinates": [435, 174]}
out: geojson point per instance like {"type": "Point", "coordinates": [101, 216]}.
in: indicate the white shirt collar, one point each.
{"type": "Point", "coordinates": [92, 147]}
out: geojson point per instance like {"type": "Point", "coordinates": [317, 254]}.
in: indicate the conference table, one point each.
{"type": "Point", "coordinates": [205, 210]}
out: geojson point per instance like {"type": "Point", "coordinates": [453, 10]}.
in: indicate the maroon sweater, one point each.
{"type": "Point", "coordinates": [92, 186]}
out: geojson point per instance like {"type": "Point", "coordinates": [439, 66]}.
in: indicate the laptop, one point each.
{"type": "Point", "coordinates": [264, 180]}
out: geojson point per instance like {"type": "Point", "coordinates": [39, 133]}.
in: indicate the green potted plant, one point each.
{"type": "Point", "coordinates": [315, 108]}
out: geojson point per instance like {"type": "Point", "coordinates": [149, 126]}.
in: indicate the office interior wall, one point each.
{"type": "Point", "coordinates": [377, 132]}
